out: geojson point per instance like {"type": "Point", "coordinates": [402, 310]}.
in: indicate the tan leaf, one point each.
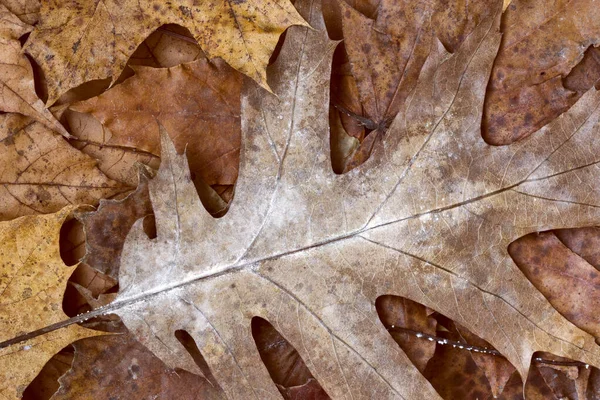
{"type": "Point", "coordinates": [32, 281]}
{"type": "Point", "coordinates": [17, 91]}
{"type": "Point", "coordinates": [27, 10]}
{"type": "Point", "coordinates": [76, 42]}
{"type": "Point", "coordinates": [199, 103]}
{"type": "Point", "coordinates": [42, 173]}
{"type": "Point", "coordinates": [532, 80]}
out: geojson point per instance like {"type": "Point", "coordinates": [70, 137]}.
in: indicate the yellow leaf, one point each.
{"type": "Point", "coordinates": [77, 42]}
{"type": "Point", "coordinates": [33, 278]}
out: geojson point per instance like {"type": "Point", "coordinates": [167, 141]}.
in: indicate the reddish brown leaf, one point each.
{"type": "Point", "coordinates": [534, 79]}
{"type": "Point", "coordinates": [397, 311]}
{"type": "Point", "coordinates": [202, 112]}
{"type": "Point", "coordinates": [286, 367]}
{"type": "Point", "coordinates": [380, 62]}
{"type": "Point", "coordinates": [120, 367]}
{"type": "Point", "coordinates": [567, 280]}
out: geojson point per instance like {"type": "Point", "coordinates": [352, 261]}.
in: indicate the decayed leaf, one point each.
{"type": "Point", "coordinates": [428, 217]}
{"type": "Point", "coordinates": [32, 281]}
{"type": "Point", "coordinates": [286, 367]}
{"type": "Point", "coordinates": [80, 41]}
{"type": "Point", "coordinates": [42, 173]}
{"type": "Point", "coordinates": [532, 81]}
{"type": "Point", "coordinates": [17, 91]}
{"type": "Point", "coordinates": [120, 367]}
{"type": "Point", "coordinates": [202, 112]}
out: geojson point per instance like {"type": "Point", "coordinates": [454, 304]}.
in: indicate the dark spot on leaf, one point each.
{"type": "Point", "coordinates": [76, 45]}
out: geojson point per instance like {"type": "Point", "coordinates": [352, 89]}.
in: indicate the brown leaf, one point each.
{"type": "Point", "coordinates": [116, 162]}
{"type": "Point", "coordinates": [120, 367]}
{"type": "Point", "coordinates": [540, 70]}
{"type": "Point", "coordinates": [17, 91]}
{"type": "Point", "coordinates": [428, 217]}
{"type": "Point", "coordinates": [32, 280]}
{"type": "Point", "coordinates": [202, 108]}
{"type": "Point", "coordinates": [168, 46]}
{"type": "Point", "coordinates": [42, 173]}
{"type": "Point", "coordinates": [386, 54]}
{"type": "Point", "coordinates": [106, 228]}
{"type": "Point", "coordinates": [395, 312]}
{"type": "Point", "coordinates": [567, 280]}
{"type": "Point", "coordinates": [76, 42]}
{"type": "Point", "coordinates": [286, 367]}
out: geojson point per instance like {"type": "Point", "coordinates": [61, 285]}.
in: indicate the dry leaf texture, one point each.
{"type": "Point", "coordinates": [534, 79]}
{"type": "Point", "coordinates": [79, 41]}
{"type": "Point", "coordinates": [428, 217]}
{"type": "Point", "coordinates": [42, 173]}
{"type": "Point", "coordinates": [198, 102]}
{"type": "Point", "coordinates": [17, 92]}
{"type": "Point", "coordinates": [33, 278]}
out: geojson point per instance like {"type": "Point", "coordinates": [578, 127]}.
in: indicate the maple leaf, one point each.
{"type": "Point", "coordinates": [428, 217]}
{"type": "Point", "coordinates": [80, 41]}
{"type": "Point", "coordinates": [32, 281]}
{"type": "Point", "coordinates": [17, 91]}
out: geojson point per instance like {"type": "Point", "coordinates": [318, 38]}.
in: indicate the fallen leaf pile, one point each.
{"type": "Point", "coordinates": [394, 199]}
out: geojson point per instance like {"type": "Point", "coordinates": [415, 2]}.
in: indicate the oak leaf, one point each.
{"type": "Point", "coordinates": [80, 41]}
{"type": "Point", "coordinates": [33, 278]}
{"type": "Point", "coordinates": [428, 217]}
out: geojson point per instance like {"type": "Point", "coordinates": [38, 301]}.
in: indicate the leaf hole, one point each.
{"type": "Point", "coordinates": [286, 368]}
{"type": "Point", "coordinates": [149, 225]}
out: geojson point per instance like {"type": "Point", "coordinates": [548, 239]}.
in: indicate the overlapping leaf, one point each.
{"type": "Point", "coordinates": [32, 282]}
{"type": "Point", "coordinates": [17, 92]}
{"type": "Point", "coordinates": [80, 41]}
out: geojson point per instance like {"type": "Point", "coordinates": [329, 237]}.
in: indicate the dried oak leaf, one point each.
{"type": "Point", "coordinates": [541, 69]}
{"type": "Point", "coordinates": [33, 278]}
{"type": "Point", "coordinates": [199, 103]}
{"type": "Point", "coordinates": [80, 41]}
{"type": "Point", "coordinates": [17, 91]}
{"type": "Point", "coordinates": [569, 282]}
{"type": "Point", "coordinates": [42, 173]}
{"type": "Point", "coordinates": [428, 217]}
